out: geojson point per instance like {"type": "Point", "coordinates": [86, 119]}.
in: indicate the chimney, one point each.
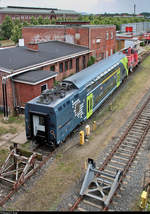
{"type": "Point", "coordinates": [33, 46]}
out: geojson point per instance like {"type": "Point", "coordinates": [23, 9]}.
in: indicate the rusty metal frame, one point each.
{"type": "Point", "coordinates": [17, 168]}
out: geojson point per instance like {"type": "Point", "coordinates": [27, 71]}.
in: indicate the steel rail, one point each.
{"type": "Point", "coordinates": [131, 158]}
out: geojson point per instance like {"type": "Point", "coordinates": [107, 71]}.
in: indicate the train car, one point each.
{"type": "Point", "coordinates": [133, 58]}
{"type": "Point", "coordinates": [52, 116]}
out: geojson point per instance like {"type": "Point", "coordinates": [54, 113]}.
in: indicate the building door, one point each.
{"type": "Point", "coordinates": [77, 65]}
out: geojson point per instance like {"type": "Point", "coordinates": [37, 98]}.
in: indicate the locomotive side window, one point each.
{"type": "Point", "coordinates": [88, 105]}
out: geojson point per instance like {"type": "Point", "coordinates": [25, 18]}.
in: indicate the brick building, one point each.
{"type": "Point", "coordinates": [25, 13]}
{"type": "Point", "coordinates": [26, 71]}
{"type": "Point", "coordinates": [101, 39]}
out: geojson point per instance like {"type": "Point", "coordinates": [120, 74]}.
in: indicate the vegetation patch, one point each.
{"type": "Point", "coordinates": [3, 156]}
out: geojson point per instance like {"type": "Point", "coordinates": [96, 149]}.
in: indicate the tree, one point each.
{"type": "Point", "coordinates": [6, 27]}
{"type": "Point", "coordinates": [46, 21]}
{"type": "Point", "coordinates": [91, 61]}
{"type": "Point", "coordinates": [40, 20]}
{"type": "Point", "coordinates": [34, 21]}
{"type": "Point", "coordinates": [16, 33]}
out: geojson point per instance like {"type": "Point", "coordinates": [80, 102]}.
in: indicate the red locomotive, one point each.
{"type": "Point", "coordinates": [133, 58]}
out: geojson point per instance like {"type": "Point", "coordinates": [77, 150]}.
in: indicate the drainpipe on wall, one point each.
{"type": "Point", "coordinates": [89, 38]}
{"type": "Point", "coordinates": [5, 104]}
{"type": "Point", "coordinates": [4, 91]}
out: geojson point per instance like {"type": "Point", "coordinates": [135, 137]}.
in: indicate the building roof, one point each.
{"type": "Point", "coordinates": [65, 25]}
{"type": "Point", "coordinates": [20, 58]}
{"type": "Point", "coordinates": [26, 10]}
{"type": "Point", "coordinates": [84, 77]}
{"type": "Point", "coordinates": [34, 77]}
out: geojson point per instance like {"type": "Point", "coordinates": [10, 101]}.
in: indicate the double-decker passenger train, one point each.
{"type": "Point", "coordinates": [52, 116]}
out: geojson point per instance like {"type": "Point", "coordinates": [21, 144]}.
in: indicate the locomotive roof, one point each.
{"type": "Point", "coordinates": [90, 73]}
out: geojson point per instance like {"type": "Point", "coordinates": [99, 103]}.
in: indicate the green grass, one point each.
{"type": "Point", "coordinates": [3, 156]}
{"type": "Point", "coordinates": [146, 62]}
{"type": "Point", "coordinates": [3, 131]}
{"type": "Point", "coordinates": [26, 146]}
{"type": "Point", "coordinates": [4, 43]}
{"type": "Point", "coordinates": [12, 119]}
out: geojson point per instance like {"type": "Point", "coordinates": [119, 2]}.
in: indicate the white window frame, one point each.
{"type": "Point", "coordinates": [107, 35]}
{"type": "Point", "coordinates": [43, 85]}
{"type": "Point", "coordinates": [112, 35]}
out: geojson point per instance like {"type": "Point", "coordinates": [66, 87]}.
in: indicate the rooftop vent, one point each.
{"type": "Point", "coordinates": [33, 46]}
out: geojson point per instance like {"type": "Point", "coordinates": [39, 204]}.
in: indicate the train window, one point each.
{"type": "Point", "coordinates": [88, 105]}
{"type": "Point", "coordinates": [91, 103]}
{"type": "Point", "coordinates": [60, 108]}
{"type": "Point", "coordinates": [68, 102]}
{"type": "Point", "coordinates": [41, 121]}
{"type": "Point", "coordinates": [64, 105]}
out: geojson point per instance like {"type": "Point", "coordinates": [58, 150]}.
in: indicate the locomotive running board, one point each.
{"type": "Point", "coordinates": [98, 188]}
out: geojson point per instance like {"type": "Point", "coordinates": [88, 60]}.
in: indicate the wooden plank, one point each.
{"type": "Point", "coordinates": [121, 158]}
{"type": "Point", "coordinates": [82, 210]}
{"type": "Point", "coordinates": [115, 167]}
{"type": "Point", "coordinates": [92, 204]}
{"type": "Point", "coordinates": [113, 161]}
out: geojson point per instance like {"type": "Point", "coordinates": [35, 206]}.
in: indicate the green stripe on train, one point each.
{"type": "Point", "coordinates": [89, 105]}
{"type": "Point", "coordinates": [124, 61]}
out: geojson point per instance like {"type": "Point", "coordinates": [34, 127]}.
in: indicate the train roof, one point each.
{"type": "Point", "coordinates": [90, 73]}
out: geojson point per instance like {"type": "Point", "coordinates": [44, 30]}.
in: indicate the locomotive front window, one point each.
{"type": "Point", "coordinates": [41, 121]}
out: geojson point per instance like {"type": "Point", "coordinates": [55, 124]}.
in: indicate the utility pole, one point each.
{"type": "Point", "coordinates": [134, 9]}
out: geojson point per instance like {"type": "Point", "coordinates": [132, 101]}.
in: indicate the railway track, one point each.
{"type": "Point", "coordinates": [101, 184]}
{"type": "Point", "coordinates": [7, 191]}
{"type": "Point", "coordinates": [19, 166]}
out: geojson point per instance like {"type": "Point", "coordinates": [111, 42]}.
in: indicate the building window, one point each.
{"type": "Point", "coordinates": [66, 65]}
{"type": "Point", "coordinates": [61, 67]}
{"type": "Point", "coordinates": [53, 68]}
{"type": "Point", "coordinates": [111, 35]}
{"type": "Point", "coordinates": [70, 64]}
{"type": "Point", "coordinates": [107, 36]}
{"type": "Point", "coordinates": [43, 87]}
{"type": "Point", "coordinates": [83, 62]}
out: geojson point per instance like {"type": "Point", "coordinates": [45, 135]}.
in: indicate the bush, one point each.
{"type": "Point", "coordinates": [91, 61]}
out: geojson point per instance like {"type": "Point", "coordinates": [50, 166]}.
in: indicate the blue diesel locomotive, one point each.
{"type": "Point", "coordinates": [52, 116]}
